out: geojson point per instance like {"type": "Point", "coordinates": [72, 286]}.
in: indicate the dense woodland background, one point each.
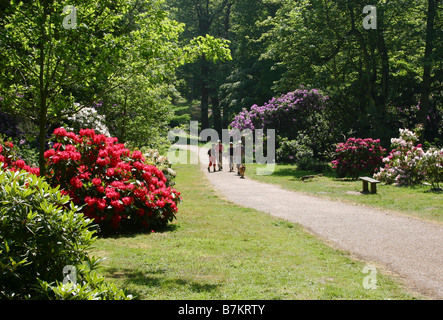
{"type": "Point", "coordinates": [376, 78]}
{"type": "Point", "coordinates": [144, 67]}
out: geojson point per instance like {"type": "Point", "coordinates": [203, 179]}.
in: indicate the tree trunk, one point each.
{"type": "Point", "coordinates": [123, 130]}
{"type": "Point", "coordinates": [428, 62]}
{"type": "Point", "coordinates": [227, 22]}
{"type": "Point", "coordinates": [42, 134]}
{"type": "Point", "coordinates": [383, 51]}
{"type": "Point", "coordinates": [367, 84]}
{"type": "Point", "coordinates": [204, 92]}
{"type": "Point", "coordinates": [218, 123]}
{"type": "Point", "coordinates": [43, 112]}
{"type": "Point", "coordinates": [204, 24]}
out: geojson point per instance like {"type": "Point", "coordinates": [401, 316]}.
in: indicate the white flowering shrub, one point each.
{"type": "Point", "coordinates": [403, 164]}
{"type": "Point", "coordinates": [431, 164]}
{"type": "Point", "coordinates": [154, 158]}
{"type": "Point", "coordinates": [409, 164]}
{"type": "Point", "coordinates": [89, 118]}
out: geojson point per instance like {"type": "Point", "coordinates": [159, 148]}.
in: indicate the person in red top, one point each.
{"type": "Point", "coordinates": [219, 150]}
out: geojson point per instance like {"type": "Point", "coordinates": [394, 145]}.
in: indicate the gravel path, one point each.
{"type": "Point", "coordinates": [409, 247]}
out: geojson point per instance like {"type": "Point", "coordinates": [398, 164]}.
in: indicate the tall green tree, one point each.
{"type": "Point", "coordinates": [430, 55]}
{"type": "Point", "coordinates": [250, 78]}
{"type": "Point", "coordinates": [204, 18]}
{"type": "Point", "coordinates": [369, 72]}
{"type": "Point", "coordinates": [57, 51]}
{"type": "Point", "coordinates": [138, 112]}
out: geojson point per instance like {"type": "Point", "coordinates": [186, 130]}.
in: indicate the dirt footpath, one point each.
{"type": "Point", "coordinates": [409, 247]}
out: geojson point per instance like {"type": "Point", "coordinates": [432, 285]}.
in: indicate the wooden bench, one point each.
{"type": "Point", "coordinates": [366, 181]}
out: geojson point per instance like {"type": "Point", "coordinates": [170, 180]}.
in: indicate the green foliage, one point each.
{"type": "Point", "coordinates": [366, 72]}
{"type": "Point", "coordinates": [47, 68]}
{"type": "Point", "coordinates": [87, 285]}
{"type": "Point", "coordinates": [212, 49]}
{"type": "Point", "coordinates": [206, 44]}
{"type": "Point", "coordinates": [291, 151]}
{"type": "Point", "coordinates": [35, 40]}
{"type": "Point", "coordinates": [249, 79]}
{"type": "Point", "coordinates": [41, 232]}
{"type": "Point", "coordinates": [300, 152]}
{"type": "Point", "coordinates": [312, 164]}
{"type": "Point", "coordinates": [139, 112]}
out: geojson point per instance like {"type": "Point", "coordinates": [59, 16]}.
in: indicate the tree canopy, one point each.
{"type": "Point", "coordinates": [132, 59]}
{"type": "Point", "coordinates": [60, 56]}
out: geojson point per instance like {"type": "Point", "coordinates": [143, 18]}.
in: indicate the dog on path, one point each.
{"type": "Point", "coordinates": [241, 171]}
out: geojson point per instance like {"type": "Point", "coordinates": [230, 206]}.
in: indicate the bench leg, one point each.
{"type": "Point", "coordinates": [365, 186]}
{"type": "Point", "coordinates": [373, 188]}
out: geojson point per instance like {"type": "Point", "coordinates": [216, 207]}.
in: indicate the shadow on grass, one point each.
{"type": "Point", "coordinates": [107, 233]}
{"type": "Point", "coordinates": [346, 179]}
{"type": "Point", "coordinates": [434, 190]}
{"type": "Point", "coordinates": [156, 278]}
{"type": "Point", "coordinates": [295, 174]}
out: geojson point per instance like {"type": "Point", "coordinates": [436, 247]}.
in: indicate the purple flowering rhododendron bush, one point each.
{"type": "Point", "coordinates": [357, 156]}
{"type": "Point", "coordinates": [287, 114]}
{"type": "Point", "coordinates": [306, 112]}
{"type": "Point", "coordinates": [115, 186]}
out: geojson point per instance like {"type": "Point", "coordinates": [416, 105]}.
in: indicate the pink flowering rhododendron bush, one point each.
{"type": "Point", "coordinates": [115, 186]}
{"type": "Point", "coordinates": [408, 164]}
{"type": "Point", "coordinates": [402, 164]}
{"type": "Point", "coordinates": [357, 156]}
{"type": "Point", "coordinates": [431, 164]}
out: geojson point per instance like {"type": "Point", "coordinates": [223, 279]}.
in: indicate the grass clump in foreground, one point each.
{"type": "Point", "coordinates": [218, 250]}
{"type": "Point", "coordinates": [416, 201]}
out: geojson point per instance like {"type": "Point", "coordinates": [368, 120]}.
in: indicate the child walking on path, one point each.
{"type": "Point", "coordinates": [211, 154]}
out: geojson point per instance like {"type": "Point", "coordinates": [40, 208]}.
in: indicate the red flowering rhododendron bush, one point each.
{"type": "Point", "coordinates": [114, 185]}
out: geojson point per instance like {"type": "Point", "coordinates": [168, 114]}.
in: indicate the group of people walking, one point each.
{"type": "Point", "coordinates": [235, 153]}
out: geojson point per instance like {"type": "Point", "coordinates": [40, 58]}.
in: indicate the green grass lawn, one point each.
{"type": "Point", "coordinates": [218, 250]}
{"type": "Point", "coordinates": [416, 201]}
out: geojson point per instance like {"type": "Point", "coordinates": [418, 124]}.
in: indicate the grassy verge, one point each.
{"type": "Point", "coordinates": [218, 250]}
{"type": "Point", "coordinates": [416, 201]}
